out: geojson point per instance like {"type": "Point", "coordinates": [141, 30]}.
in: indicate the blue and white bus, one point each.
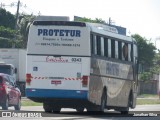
{"type": "Point", "coordinates": [80, 65]}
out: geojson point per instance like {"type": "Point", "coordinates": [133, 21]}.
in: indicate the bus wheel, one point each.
{"type": "Point", "coordinates": [47, 107]}
{"type": "Point", "coordinates": [5, 104]}
{"type": "Point", "coordinates": [81, 109]}
{"type": "Point", "coordinates": [91, 110]}
{"type": "Point", "coordinates": [56, 110]}
{"type": "Point", "coordinates": [18, 106]}
{"type": "Point", "coordinates": [125, 110]}
{"type": "Point", "coordinates": [103, 102]}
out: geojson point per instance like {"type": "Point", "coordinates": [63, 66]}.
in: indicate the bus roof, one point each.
{"type": "Point", "coordinates": [52, 18]}
{"type": "Point", "coordinates": [109, 31]}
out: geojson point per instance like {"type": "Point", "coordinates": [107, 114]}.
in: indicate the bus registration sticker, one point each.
{"type": "Point", "coordinates": [56, 82]}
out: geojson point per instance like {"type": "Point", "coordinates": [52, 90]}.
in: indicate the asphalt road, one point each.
{"type": "Point", "coordinates": [144, 112]}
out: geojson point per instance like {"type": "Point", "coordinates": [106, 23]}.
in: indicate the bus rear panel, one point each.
{"type": "Point", "coordinates": [58, 61]}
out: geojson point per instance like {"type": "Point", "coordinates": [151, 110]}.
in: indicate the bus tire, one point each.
{"type": "Point", "coordinates": [81, 109]}
{"type": "Point", "coordinates": [125, 110]}
{"type": "Point", "coordinates": [56, 110]}
{"type": "Point", "coordinates": [92, 109]}
{"type": "Point", "coordinates": [47, 107]}
{"type": "Point", "coordinates": [18, 106]}
{"type": "Point", "coordinates": [5, 104]}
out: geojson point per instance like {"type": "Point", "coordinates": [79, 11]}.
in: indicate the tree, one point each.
{"type": "Point", "coordinates": [84, 19]}
{"type": "Point", "coordinates": [24, 24]}
{"type": "Point", "coordinates": [146, 57]}
{"type": "Point", "coordinates": [7, 19]}
{"type": "Point", "coordinates": [7, 32]}
{"type": "Point", "coordinates": [146, 51]}
{"type": "Point", "coordinates": [156, 68]}
{"type": "Point", "coordinates": [6, 37]}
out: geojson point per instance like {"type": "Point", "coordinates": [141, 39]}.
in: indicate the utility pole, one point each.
{"type": "Point", "coordinates": [110, 21]}
{"type": "Point", "coordinates": [17, 15]}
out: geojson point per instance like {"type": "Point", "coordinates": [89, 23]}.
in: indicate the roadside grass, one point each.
{"type": "Point", "coordinates": [144, 99]}
{"type": "Point", "coordinates": [148, 96]}
{"type": "Point", "coordinates": [147, 101]}
{"type": "Point", "coordinates": [30, 103]}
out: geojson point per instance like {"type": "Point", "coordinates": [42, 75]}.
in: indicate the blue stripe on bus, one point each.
{"type": "Point", "coordinates": [53, 93]}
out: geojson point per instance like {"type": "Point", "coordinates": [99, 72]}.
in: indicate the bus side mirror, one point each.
{"type": "Point", "coordinates": [15, 71]}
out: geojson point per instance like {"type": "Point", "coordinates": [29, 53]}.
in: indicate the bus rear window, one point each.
{"type": "Point", "coordinates": [59, 23]}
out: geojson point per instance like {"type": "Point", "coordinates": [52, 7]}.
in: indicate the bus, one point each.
{"type": "Point", "coordinates": [80, 65]}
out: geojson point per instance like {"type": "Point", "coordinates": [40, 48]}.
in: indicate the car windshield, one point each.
{"type": "Point", "coordinates": [1, 79]}
{"type": "Point", "coordinates": [5, 69]}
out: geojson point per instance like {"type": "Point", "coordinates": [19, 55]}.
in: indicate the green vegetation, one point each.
{"type": "Point", "coordinates": [84, 19]}
{"type": "Point", "coordinates": [7, 19]}
{"type": "Point", "coordinates": [147, 101]}
{"type": "Point", "coordinates": [12, 35]}
{"type": "Point", "coordinates": [148, 96]}
{"type": "Point", "coordinates": [30, 103]}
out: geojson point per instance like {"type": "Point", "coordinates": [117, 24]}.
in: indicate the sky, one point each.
{"type": "Point", "coordinates": [138, 16]}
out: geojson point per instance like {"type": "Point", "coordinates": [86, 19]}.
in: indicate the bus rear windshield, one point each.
{"type": "Point", "coordinates": [60, 23]}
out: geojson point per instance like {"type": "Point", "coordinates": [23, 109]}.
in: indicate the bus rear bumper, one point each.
{"type": "Point", "coordinates": [54, 93]}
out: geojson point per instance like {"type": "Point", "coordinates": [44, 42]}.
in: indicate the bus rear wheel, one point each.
{"type": "Point", "coordinates": [125, 110]}
{"type": "Point", "coordinates": [47, 107]}
{"type": "Point", "coordinates": [56, 110]}
{"type": "Point", "coordinates": [81, 109]}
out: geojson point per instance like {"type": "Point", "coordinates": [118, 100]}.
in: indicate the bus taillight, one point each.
{"type": "Point", "coordinates": [84, 81]}
{"type": "Point", "coordinates": [28, 79]}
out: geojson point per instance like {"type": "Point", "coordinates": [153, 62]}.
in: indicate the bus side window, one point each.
{"type": "Point", "coordinates": [120, 50]}
{"type": "Point", "coordinates": [109, 47]}
{"type": "Point", "coordinates": [106, 47]}
{"type": "Point", "coordinates": [123, 58]}
{"type": "Point", "coordinates": [116, 49]}
{"type": "Point", "coordinates": [112, 48]}
{"type": "Point", "coordinates": [98, 39]}
{"type": "Point", "coordinates": [92, 44]}
{"type": "Point", "coordinates": [135, 53]}
{"type": "Point", "coordinates": [129, 52]}
{"type": "Point", "coordinates": [125, 51]}
{"type": "Point", "coordinates": [102, 46]}
{"type": "Point", "coordinates": [95, 44]}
